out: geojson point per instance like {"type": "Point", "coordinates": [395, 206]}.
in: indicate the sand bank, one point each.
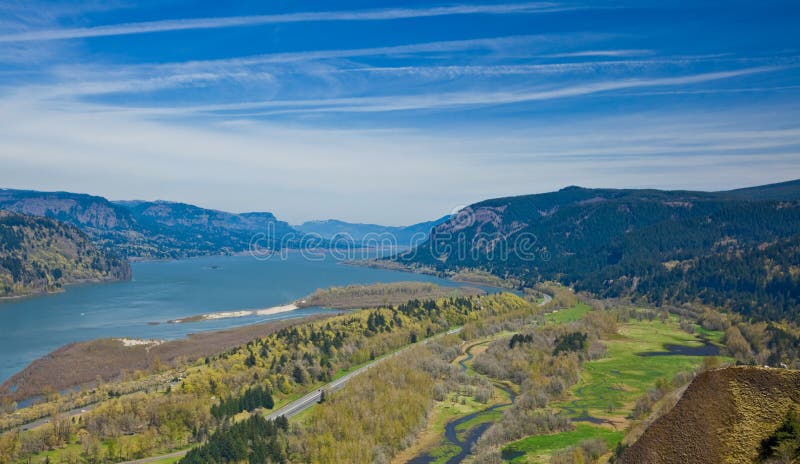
{"type": "Point", "coordinates": [240, 313]}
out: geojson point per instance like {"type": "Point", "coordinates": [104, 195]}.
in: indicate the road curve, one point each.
{"type": "Point", "coordinates": [300, 405]}
{"type": "Point", "coordinates": [310, 399]}
{"type": "Point", "coordinates": [177, 454]}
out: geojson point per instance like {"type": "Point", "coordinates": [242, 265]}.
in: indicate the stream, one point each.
{"type": "Point", "coordinates": [472, 435]}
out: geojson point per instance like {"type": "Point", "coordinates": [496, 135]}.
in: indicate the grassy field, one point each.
{"type": "Point", "coordinates": [167, 461]}
{"type": "Point", "coordinates": [380, 294]}
{"type": "Point", "coordinates": [569, 314]}
{"type": "Point", "coordinates": [714, 336]}
{"type": "Point", "coordinates": [73, 451]}
{"type": "Point", "coordinates": [609, 387]}
{"type": "Point", "coordinates": [537, 449]}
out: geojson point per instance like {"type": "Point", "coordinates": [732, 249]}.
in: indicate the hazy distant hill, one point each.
{"type": "Point", "coordinates": [40, 254]}
{"type": "Point", "coordinates": [193, 230]}
{"type": "Point", "coordinates": [782, 191]}
{"type": "Point", "coordinates": [405, 236]}
{"type": "Point", "coordinates": [737, 249]}
{"type": "Point", "coordinates": [148, 229]}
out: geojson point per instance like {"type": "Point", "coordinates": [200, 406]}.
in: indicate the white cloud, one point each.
{"type": "Point", "coordinates": [393, 176]}
{"type": "Point", "coordinates": [599, 53]}
{"type": "Point", "coordinates": [253, 20]}
{"type": "Point", "coordinates": [443, 100]}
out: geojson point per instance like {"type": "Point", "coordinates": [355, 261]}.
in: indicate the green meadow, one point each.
{"type": "Point", "coordinates": [572, 314]}
{"type": "Point", "coordinates": [539, 447]}
{"type": "Point", "coordinates": [609, 387]}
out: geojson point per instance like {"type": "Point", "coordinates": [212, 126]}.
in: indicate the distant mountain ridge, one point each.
{"type": "Point", "coordinates": [164, 229]}
{"type": "Point", "coordinates": [151, 229]}
{"type": "Point", "coordinates": [405, 236]}
{"type": "Point", "coordinates": [40, 255]}
{"type": "Point", "coordinates": [789, 190]}
{"type": "Point", "coordinates": [736, 249]}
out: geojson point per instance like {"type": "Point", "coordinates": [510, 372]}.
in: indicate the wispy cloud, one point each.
{"type": "Point", "coordinates": [296, 171]}
{"type": "Point", "coordinates": [499, 44]}
{"type": "Point", "coordinates": [79, 80]}
{"type": "Point", "coordinates": [598, 53]}
{"type": "Point", "coordinates": [448, 100]}
{"type": "Point", "coordinates": [82, 80]}
{"type": "Point", "coordinates": [254, 20]}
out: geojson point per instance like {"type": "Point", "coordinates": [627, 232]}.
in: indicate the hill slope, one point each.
{"type": "Point", "coordinates": [668, 246]}
{"type": "Point", "coordinates": [781, 191]}
{"type": "Point", "coordinates": [149, 229]}
{"type": "Point", "coordinates": [403, 236]}
{"type": "Point", "coordinates": [179, 229]}
{"type": "Point", "coordinates": [40, 254]}
{"type": "Point", "coordinates": [722, 417]}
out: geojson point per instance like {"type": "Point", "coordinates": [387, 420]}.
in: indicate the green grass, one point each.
{"type": "Point", "coordinates": [569, 315]}
{"type": "Point", "coordinates": [167, 461]}
{"type": "Point", "coordinates": [446, 411]}
{"type": "Point", "coordinates": [75, 449]}
{"type": "Point", "coordinates": [537, 448]}
{"type": "Point", "coordinates": [609, 386]}
{"type": "Point", "coordinates": [482, 418]}
{"type": "Point", "coordinates": [56, 455]}
{"type": "Point", "coordinates": [443, 453]}
{"type": "Point", "coordinates": [500, 396]}
{"type": "Point", "coordinates": [715, 336]}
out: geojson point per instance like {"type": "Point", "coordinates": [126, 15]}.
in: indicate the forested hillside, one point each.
{"type": "Point", "coordinates": [40, 254]}
{"type": "Point", "coordinates": [733, 249]}
{"type": "Point", "coordinates": [151, 229]}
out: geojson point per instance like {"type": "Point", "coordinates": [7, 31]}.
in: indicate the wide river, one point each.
{"type": "Point", "coordinates": [164, 290]}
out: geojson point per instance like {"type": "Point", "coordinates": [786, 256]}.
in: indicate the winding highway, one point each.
{"type": "Point", "coordinates": [310, 399]}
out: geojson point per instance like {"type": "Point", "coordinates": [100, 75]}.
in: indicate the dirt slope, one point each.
{"type": "Point", "coordinates": [722, 418]}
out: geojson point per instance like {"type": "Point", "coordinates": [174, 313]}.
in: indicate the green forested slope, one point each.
{"type": "Point", "coordinates": [721, 248]}
{"type": "Point", "coordinates": [39, 254]}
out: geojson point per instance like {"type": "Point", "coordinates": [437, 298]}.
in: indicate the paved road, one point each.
{"type": "Point", "coordinates": [177, 454]}
{"type": "Point", "coordinates": [309, 400]}
{"type": "Point", "coordinates": [300, 405]}
{"type": "Point", "coordinates": [45, 420]}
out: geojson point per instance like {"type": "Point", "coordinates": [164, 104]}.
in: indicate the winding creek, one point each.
{"type": "Point", "coordinates": [472, 435]}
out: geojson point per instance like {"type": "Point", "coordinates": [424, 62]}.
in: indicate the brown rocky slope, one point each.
{"type": "Point", "coordinates": [721, 418]}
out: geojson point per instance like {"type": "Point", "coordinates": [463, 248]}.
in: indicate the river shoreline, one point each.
{"type": "Point", "coordinates": [167, 290]}
{"type": "Point", "coordinates": [237, 313]}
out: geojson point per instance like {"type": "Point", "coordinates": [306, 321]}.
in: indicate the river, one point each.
{"type": "Point", "coordinates": [163, 290]}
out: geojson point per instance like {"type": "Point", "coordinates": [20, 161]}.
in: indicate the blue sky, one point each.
{"type": "Point", "coordinates": [394, 112]}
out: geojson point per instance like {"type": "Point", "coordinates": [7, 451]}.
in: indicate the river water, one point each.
{"type": "Point", "coordinates": [164, 290]}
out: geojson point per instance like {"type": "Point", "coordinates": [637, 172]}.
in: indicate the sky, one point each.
{"type": "Point", "coordinates": [394, 112]}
